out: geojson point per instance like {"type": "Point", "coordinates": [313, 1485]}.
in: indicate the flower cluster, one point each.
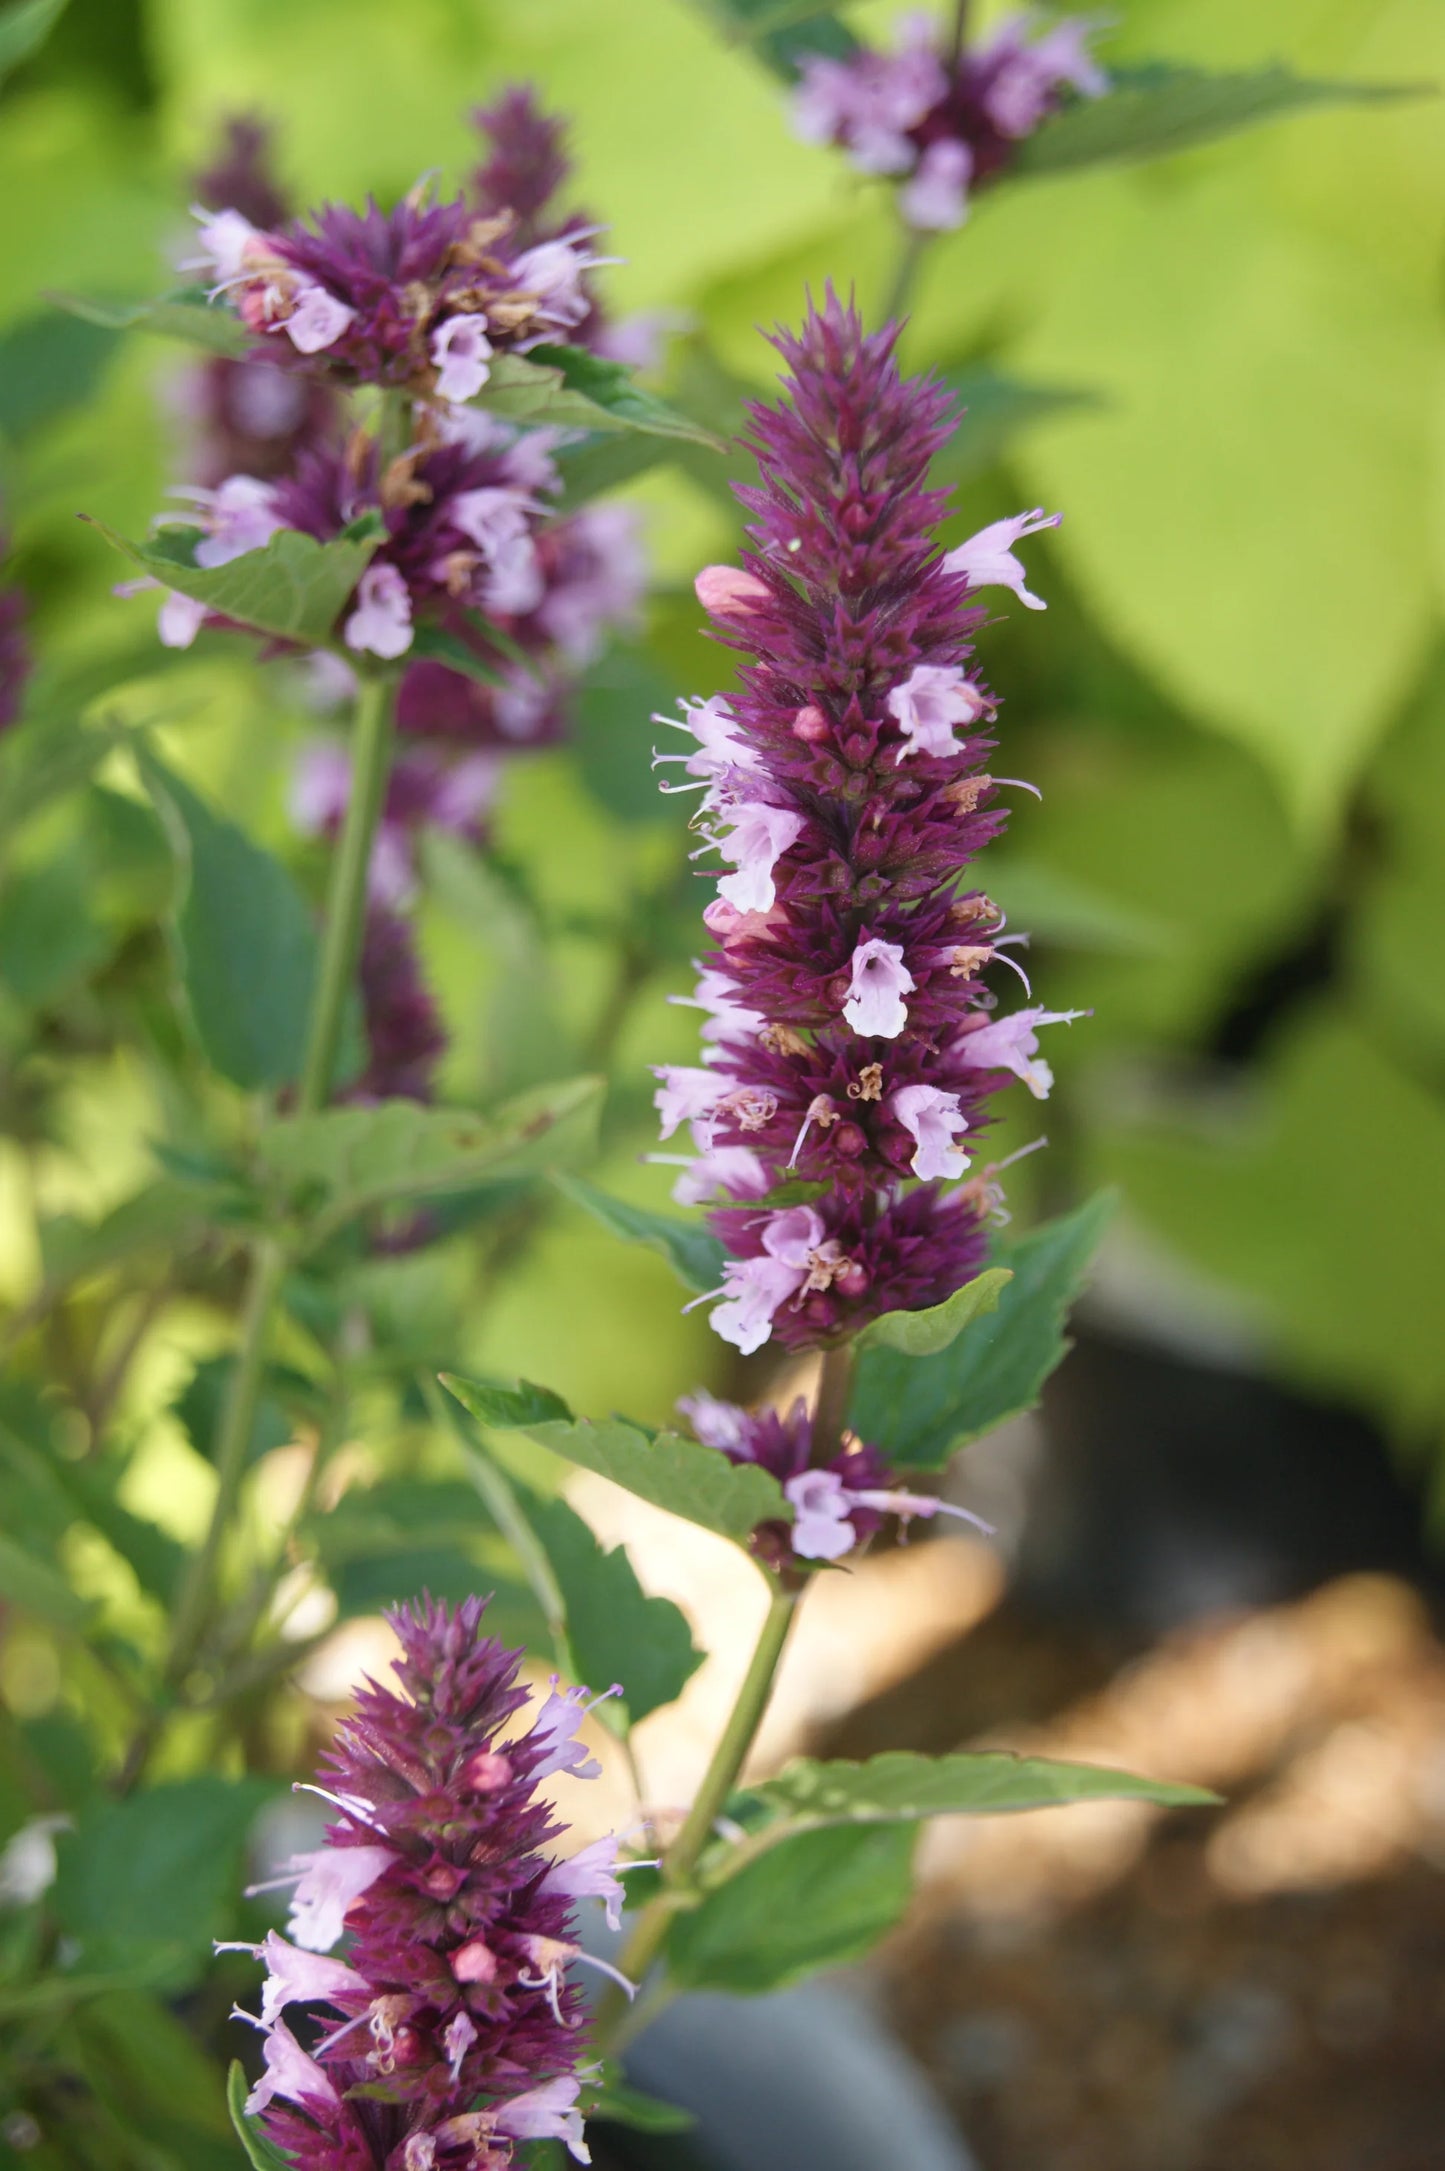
{"type": "Point", "coordinates": [838, 1504]}
{"type": "Point", "coordinates": [474, 552]}
{"type": "Point", "coordinates": [851, 1040]}
{"type": "Point", "coordinates": [449, 2029]}
{"type": "Point", "coordinates": [941, 120]}
{"type": "Point", "coordinates": [15, 657]}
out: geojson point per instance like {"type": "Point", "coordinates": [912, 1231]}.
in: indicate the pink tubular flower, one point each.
{"type": "Point", "coordinates": [1012, 1043]}
{"type": "Point", "coordinates": [381, 621]}
{"type": "Point", "coordinates": [934, 1120]}
{"type": "Point", "coordinates": [942, 120]}
{"type": "Point", "coordinates": [462, 353]}
{"type": "Point", "coordinates": [451, 2029]}
{"type": "Point", "coordinates": [878, 982]}
{"type": "Point", "coordinates": [931, 700]}
{"type": "Point", "coordinates": [759, 837]}
{"type": "Point", "coordinates": [987, 559]}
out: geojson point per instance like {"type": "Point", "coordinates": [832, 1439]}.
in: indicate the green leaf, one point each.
{"type": "Point", "coordinates": [919, 1410]}
{"type": "Point", "coordinates": [924, 1334]}
{"type": "Point", "coordinates": [260, 2153]}
{"type": "Point", "coordinates": [996, 410]}
{"type": "Point", "coordinates": [688, 1479]}
{"type": "Point", "coordinates": [620, 2105]}
{"type": "Point", "coordinates": [162, 1216]}
{"type": "Point", "coordinates": [152, 1879]}
{"type": "Point", "coordinates": [202, 1401]}
{"type": "Point", "coordinates": [292, 588]}
{"type": "Point", "coordinates": [813, 1901]}
{"type": "Point", "coordinates": [433, 644]}
{"type": "Point", "coordinates": [511, 1408]}
{"type": "Point", "coordinates": [694, 1254]}
{"type": "Point", "coordinates": [48, 363]}
{"type": "Point", "coordinates": [573, 388]}
{"type": "Point", "coordinates": [350, 1161]}
{"type": "Point", "coordinates": [42, 759]}
{"type": "Point", "coordinates": [615, 1632]}
{"type": "Point", "coordinates": [1152, 111]}
{"type": "Point", "coordinates": [50, 936]}
{"type": "Point", "coordinates": [782, 31]}
{"type": "Point", "coordinates": [36, 1588]}
{"type": "Point", "coordinates": [605, 460]}
{"type": "Point", "coordinates": [903, 1786]}
{"type": "Point", "coordinates": [614, 733]}
{"type": "Point", "coordinates": [187, 315]}
{"type": "Point", "coordinates": [245, 937]}
{"type": "Point", "coordinates": [24, 28]}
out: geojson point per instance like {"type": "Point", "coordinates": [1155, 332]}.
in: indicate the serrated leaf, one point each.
{"type": "Point", "coordinates": [918, 1410]}
{"type": "Point", "coordinates": [924, 1334]}
{"type": "Point", "coordinates": [902, 1785]}
{"type": "Point", "coordinates": [575, 389]}
{"type": "Point", "coordinates": [260, 2153]}
{"type": "Point", "coordinates": [696, 1482]}
{"type": "Point", "coordinates": [293, 588]}
{"type": "Point", "coordinates": [815, 1900]}
{"type": "Point", "coordinates": [694, 1254]}
{"type": "Point", "coordinates": [615, 1631]}
{"type": "Point", "coordinates": [187, 315]}
{"type": "Point", "coordinates": [351, 1161]}
{"type": "Point", "coordinates": [246, 941]}
{"type": "Point", "coordinates": [1152, 111]}
{"type": "Point", "coordinates": [24, 28]}
{"type": "Point", "coordinates": [160, 1216]}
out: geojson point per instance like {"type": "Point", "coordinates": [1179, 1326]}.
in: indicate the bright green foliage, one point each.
{"type": "Point", "coordinates": [293, 587]}
{"type": "Point", "coordinates": [615, 1632]}
{"type": "Point", "coordinates": [919, 1412]}
{"type": "Point", "coordinates": [925, 1334]}
{"type": "Point", "coordinates": [817, 1900]}
{"type": "Point", "coordinates": [569, 388]}
{"type": "Point", "coordinates": [24, 27]}
{"type": "Point", "coordinates": [186, 315]}
{"type": "Point", "coordinates": [678, 1474]}
{"type": "Point", "coordinates": [351, 1161]}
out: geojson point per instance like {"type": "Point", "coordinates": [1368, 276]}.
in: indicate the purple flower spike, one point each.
{"type": "Point", "coordinates": [449, 2028]}
{"type": "Point", "coordinates": [946, 123]}
{"type": "Point", "coordinates": [851, 1042]}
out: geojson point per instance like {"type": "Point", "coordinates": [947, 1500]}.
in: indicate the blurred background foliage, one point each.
{"type": "Point", "coordinates": [1235, 706]}
{"type": "Point", "coordinates": [1225, 368]}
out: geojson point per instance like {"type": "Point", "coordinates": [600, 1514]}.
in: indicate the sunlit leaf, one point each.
{"type": "Point", "coordinates": [575, 389]}
{"type": "Point", "coordinates": [187, 315]}
{"type": "Point", "coordinates": [815, 1900]}
{"type": "Point", "coordinates": [688, 1479]}
{"type": "Point", "coordinates": [924, 1334]}
{"type": "Point", "coordinates": [919, 1409]}
{"type": "Point", "coordinates": [292, 588]}
{"type": "Point", "coordinates": [1152, 111]}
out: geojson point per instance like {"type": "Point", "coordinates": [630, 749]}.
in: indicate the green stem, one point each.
{"type": "Point", "coordinates": [340, 950]}
{"type": "Point", "coordinates": [506, 1512]}
{"type": "Point", "coordinates": [346, 899]}
{"type": "Point", "coordinates": [959, 33]}
{"type": "Point", "coordinates": [830, 1412]}
{"type": "Point", "coordinates": [719, 1779]}
{"type": "Point", "coordinates": [268, 1266]}
{"type": "Point", "coordinates": [909, 261]}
